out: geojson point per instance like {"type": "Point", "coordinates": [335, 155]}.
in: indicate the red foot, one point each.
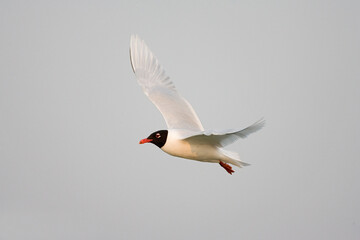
{"type": "Point", "coordinates": [227, 167]}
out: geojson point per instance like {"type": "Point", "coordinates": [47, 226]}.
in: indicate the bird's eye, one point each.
{"type": "Point", "coordinates": [157, 135]}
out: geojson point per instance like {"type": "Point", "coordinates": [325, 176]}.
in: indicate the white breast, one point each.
{"type": "Point", "coordinates": [175, 146]}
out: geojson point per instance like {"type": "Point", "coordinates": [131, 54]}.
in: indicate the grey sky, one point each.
{"type": "Point", "coordinates": [71, 116]}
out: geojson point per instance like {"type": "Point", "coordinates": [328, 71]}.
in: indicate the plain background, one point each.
{"type": "Point", "coordinates": [71, 116]}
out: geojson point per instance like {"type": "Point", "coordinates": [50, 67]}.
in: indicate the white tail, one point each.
{"type": "Point", "coordinates": [233, 158]}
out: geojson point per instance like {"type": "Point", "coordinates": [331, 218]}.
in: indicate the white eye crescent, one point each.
{"type": "Point", "coordinates": [157, 135]}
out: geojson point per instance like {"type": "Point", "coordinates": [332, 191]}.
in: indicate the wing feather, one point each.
{"type": "Point", "coordinates": [177, 112]}
{"type": "Point", "coordinates": [226, 137]}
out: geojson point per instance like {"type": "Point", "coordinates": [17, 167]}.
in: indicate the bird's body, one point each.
{"type": "Point", "coordinates": [184, 148]}
{"type": "Point", "coordinates": [185, 136]}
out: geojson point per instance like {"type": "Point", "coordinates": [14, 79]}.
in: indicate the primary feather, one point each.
{"type": "Point", "coordinates": [177, 112]}
{"type": "Point", "coordinates": [226, 137]}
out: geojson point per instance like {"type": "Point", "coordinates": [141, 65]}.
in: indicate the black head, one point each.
{"type": "Point", "coordinates": [158, 138]}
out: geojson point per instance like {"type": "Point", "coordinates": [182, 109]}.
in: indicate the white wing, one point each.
{"type": "Point", "coordinates": [177, 112]}
{"type": "Point", "coordinates": [226, 137]}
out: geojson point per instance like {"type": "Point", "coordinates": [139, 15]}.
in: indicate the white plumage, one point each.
{"type": "Point", "coordinates": [185, 136]}
{"type": "Point", "coordinates": [176, 111]}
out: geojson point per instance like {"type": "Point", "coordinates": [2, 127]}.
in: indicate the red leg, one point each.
{"type": "Point", "coordinates": [227, 167]}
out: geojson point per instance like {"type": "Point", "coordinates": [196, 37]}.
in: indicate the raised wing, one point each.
{"type": "Point", "coordinates": [177, 112]}
{"type": "Point", "coordinates": [226, 137]}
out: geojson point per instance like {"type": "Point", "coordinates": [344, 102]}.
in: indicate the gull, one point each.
{"type": "Point", "coordinates": [185, 136]}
